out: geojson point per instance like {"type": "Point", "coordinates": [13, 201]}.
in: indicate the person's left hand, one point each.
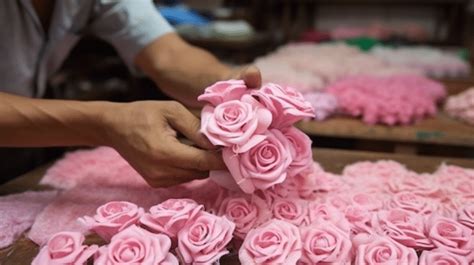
{"type": "Point", "coordinates": [250, 74]}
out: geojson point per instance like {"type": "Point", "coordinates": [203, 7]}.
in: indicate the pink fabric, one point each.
{"type": "Point", "coordinates": [400, 99]}
{"type": "Point", "coordinates": [461, 106]}
{"type": "Point", "coordinates": [324, 104]}
{"type": "Point", "coordinates": [18, 212]}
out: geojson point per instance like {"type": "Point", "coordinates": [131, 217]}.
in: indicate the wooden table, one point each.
{"type": "Point", "coordinates": [23, 251]}
{"type": "Point", "coordinates": [437, 130]}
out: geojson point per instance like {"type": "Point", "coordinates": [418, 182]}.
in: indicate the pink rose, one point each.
{"type": "Point", "coordinates": [375, 249]}
{"type": "Point", "coordinates": [466, 216]}
{"type": "Point", "coordinates": [405, 227]}
{"type": "Point", "coordinates": [65, 248]}
{"type": "Point", "coordinates": [370, 202]}
{"type": "Point", "coordinates": [223, 91]}
{"type": "Point", "coordinates": [441, 257]}
{"type": "Point", "coordinates": [112, 218]}
{"type": "Point", "coordinates": [170, 216]}
{"type": "Point", "coordinates": [325, 243]}
{"type": "Point", "coordinates": [286, 104]}
{"type": "Point", "coordinates": [359, 219]}
{"type": "Point", "coordinates": [237, 124]}
{"type": "Point", "coordinates": [245, 212]}
{"type": "Point", "coordinates": [450, 235]}
{"type": "Point", "coordinates": [204, 240]}
{"type": "Point", "coordinates": [412, 202]}
{"type": "Point", "coordinates": [275, 242]}
{"type": "Point", "coordinates": [263, 166]}
{"type": "Point", "coordinates": [322, 211]}
{"type": "Point", "coordinates": [294, 211]}
{"type": "Point", "coordinates": [300, 150]}
{"type": "Point", "coordinates": [420, 184]}
{"type": "Point", "coordinates": [135, 245]}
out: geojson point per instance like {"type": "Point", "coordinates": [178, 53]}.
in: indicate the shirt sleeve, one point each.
{"type": "Point", "coordinates": [129, 25]}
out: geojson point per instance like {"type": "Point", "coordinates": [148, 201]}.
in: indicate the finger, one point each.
{"type": "Point", "coordinates": [182, 120]}
{"type": "Point", "coordinates": [252, 77]}
{"type": "Point", "coordinates": [189, 157]}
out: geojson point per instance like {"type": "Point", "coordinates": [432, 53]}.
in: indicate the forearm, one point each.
{"type": "Point", "coordinates": [39, 123]}
{"type": "Point", "coordinates": [182, 71]}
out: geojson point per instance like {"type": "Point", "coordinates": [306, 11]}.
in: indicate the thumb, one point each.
{"type": "Point", "coordinates": [182, 120]}
{"type": "Point", "coordinates": [251, 76]}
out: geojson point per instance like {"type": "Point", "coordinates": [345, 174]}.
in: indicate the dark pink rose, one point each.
{"type": "Point", "coordinates": [412, 202]}
{"type": "Point", "coordinates": [237, 124]}
{"type": "Point", "coordinates": [135, 245]}
{"type": "Point", "coordinates": [223, 91]}
{"type": "Point", "coordinates": [377, 250]}
{"type": "Point", "coordinates": [170, 216]}
{"type": "Point", "coordinates": [112, 218]}
{"type": "Point", "coordinates": [405, 227]}
{"type": "Point", "coordinates": [441, 257]}
{"type": "Point", "coordinates": [286, 104]}
{"type": "Point", "coordinates": [263, 166]}
{"type": "Point", "coordinates": [300, 150]}
{"type": "Point", "coordinates": [466, 216]}
{"type": "Point", "coordinates": [204, 240]}
{"type": "Point", "coordinates": [65, 248]}
{"type": "Point", "coordinates": [245, 212]}
{"type": "Point", "coordinates": [275, 242]}
{"type": "Point", "coordinates": [450, 235]}
{"type": "Point", "coordinates": [325, 243]}
{"type": "Point", "coordinates": [292, 210]}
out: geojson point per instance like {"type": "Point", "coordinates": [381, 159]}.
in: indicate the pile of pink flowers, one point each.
{"type": "Point", "coordinates": [288, 210]}
{"type": "Point", "coordinates": [260, 146]}
{"type": "Point", "coordinates": [399, 99]}
{"type": "Point", "coordinates": [461, 106]}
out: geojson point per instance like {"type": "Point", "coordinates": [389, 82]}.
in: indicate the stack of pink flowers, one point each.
{"type": "Point", "coordinates": [400, 99]}
{"type": "Point", "coordinates": [289, 210]}
{"type": "Point", "coordinates": [260, 147]}
{"type": "Point", "coordinates": [461, 106]}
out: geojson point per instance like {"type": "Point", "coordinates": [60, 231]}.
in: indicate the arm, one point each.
{"type": "Point", "coordinates": [183, 71]}
{"type": "Point", "coordinates": [144, 133]}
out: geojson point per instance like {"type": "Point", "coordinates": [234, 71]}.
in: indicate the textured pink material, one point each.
{"type": "Point", "coordinates": [400, 99]}
{"type": "Point", "coordinates": [324, 104]}
{"type": "Point", "coordinates": [18, 212]}
{"type": "Point", "coordinates": [461, 106]}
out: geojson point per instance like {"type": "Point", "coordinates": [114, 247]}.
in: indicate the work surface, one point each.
{"type": "Point", "coordinates": [23, 251]}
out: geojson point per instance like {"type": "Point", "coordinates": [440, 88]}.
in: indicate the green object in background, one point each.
{"type": "Point", "coordinates": [464, 54]}
{"type": "Point", "coordinates": [363, 43]}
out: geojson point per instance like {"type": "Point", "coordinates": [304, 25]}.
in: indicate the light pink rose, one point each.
{"type": "Point", "coordinates": [112, 218]}
{"type": "Point", "coordinates": [286, 104]}
{"type": "Point", "coordinates": [204, 240]}
{"type": "Point", "coordinates": [370, 202]}
{"type": "Point", "coordinates": [170, 216]}
{"type": "Point", "coordinates": [325, 243]}
{"type": "Point", "coordinates": [405, 227]}
{"type": "Point", "coordinates": [300, 150]}
{"type": "Point", "coordinates": [292, 210]}
{"type": "Point", "coordinates": [450, 235]}
{"type": "Point", "coordinates": [323, 211]}
{"type": "Point", "coordinates": [263, 166]}
{"type": "Point", "coordinates": [237, 124]}
{"type": "Point", "coordinates": [377, 250]}
{"type": "Point", "coordinates": [223, 91]}
{"type": "Point", "coordinates": [359, 219]}
{"type": "Point", "coordinates": [412, 202]}
{"type": "Point", "coordinates": [245, 212]}
{"type": "Point", "coordinates": [275, 242]}
{"type": "Point", "coordinates": [135, 245]}
{"type": "Point", "coordinates": [419, 184]}
{"type": "Point", "coordinates": [466, 216]}
{"type": "Point", "coordinates": [441, 257]}
{"type": "Point", "coordinates": [65, 248]}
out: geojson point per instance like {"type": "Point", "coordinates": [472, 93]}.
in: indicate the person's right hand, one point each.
{"type": "Point", "coordinates": [144, 133]}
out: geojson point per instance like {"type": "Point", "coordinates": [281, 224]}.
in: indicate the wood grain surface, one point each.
{"type": "Point", "coordinates": [333, 160]}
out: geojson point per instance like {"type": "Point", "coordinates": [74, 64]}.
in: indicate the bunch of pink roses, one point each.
{"type": "Point", "coordinates": [174, 231]}
{"type": "Point", "coordinates": [254, 128]}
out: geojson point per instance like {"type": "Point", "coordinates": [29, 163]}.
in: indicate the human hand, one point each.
{"type": "Point", "coordinates": [250, 74]}
{"type": "Point", "coordinates": [145, 134]}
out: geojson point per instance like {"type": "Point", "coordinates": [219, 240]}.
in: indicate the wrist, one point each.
{"type": "Point", "coordinates": [103, 121]}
